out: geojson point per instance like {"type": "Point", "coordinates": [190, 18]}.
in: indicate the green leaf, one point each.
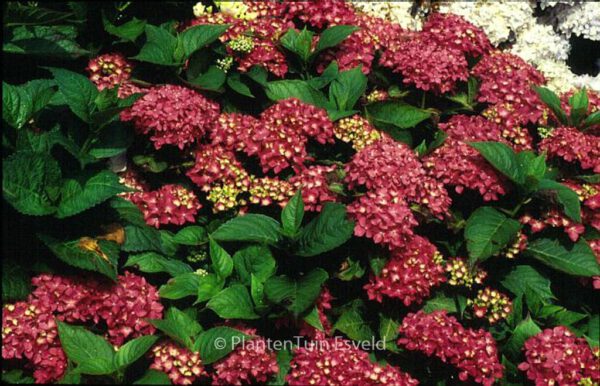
{"type": "Point", "coordinates": [576, 259]}
{"type": "Point", "coordinates": [258, 74]}
{"type": "Point", "coordinates": [185, 284]}
{"type": "Point", "coordinates": [113, 140]}
{"type": "Point", "coordinates": [296, 295]}
{"type": "Point", "coordinates": [559, 316]}
{"type": "Point", "coordinates": [104, 259]}
{"type": "Point", "coordinates": [217, 342]}
{"type": "Point", "coordinates": [567, 198]}
{"type": "Point", "coordinates": [16, 377]}
{"type": "Point", "coordinates": [592, 119]}
{"type": "Point", "coordinates": [30, 182]}
{"type": "Point", "coordinates": [257, 292]}
{"type": "Point", "coordinates": [254, 260]}
{"type": "Point", "coordinates": [159, 48]}
{"type": "Point", "coordinates": [134, 350]}
{"type": "Point", "coordinates": [298, 42]}
{"type": "Point", "coordinates": [502, 157]}
{"type": "Point", "coordinates": [396, 114]}
{"type": "Point", "coordinates": [128, 31]}
{"type": "Point", "coordinates": [221, 260]}
{"type": "Point", "coordinates": [328, 75]}
{"type": "Point", "coordinates": [352, 323]}
{"type": "Point", "coordinates": [20, 103]}
{"type": "Point", "coordinates": [34, 14]}
{"type": "Point", "coordinates": [200, 36]}
{"type": "Point", "coordinates": [128, 212]}
{"type": "Point", "coordinates": [250, 227]}
{"type": "Point", "coordinates": [553, 102]}
{"type": "Point", "coordinates": [440, 302]}
{"type": "Point", "coordinates": [579, 106]}
{"type": "Point", "coordinates": [524, 330]}
{"type": "Point", "coordinates": [209, 286]}
{"type": "Point", "coordinates": [312, 318]}
{"type": "Point", "coordinates": [233, 303]}
{"type": "Point", "coordinates": [153, 377]}
{"type": "Point", "coordinates": [487, 232]}
{"type": "Point", "coordinates": [330, 229]}
{"type": "Point", "coordinates": [212, 80]}
{"type": "Point", "coordinates": [533, 168]}
{"type": "Point", "coordinates": [347, 88]}
{"type": "Point", "coordinates": [151, 262]}
{"type": "Point", "coordinates": [78, 92]}
{"type": "Point", "coordinates": [388, 331]}
{"type": "Point", "coordinates": [191, 235]}
{"type": "Point", "coordinates": [353, 270]}
{"type": "Point", "coordinates": [82, 346]}
{"type": "Point", "coordinates": [524, 280]}
{"type": "Point", "coordinates": [141, 238]}
{"type": "Point", "coordinates": [284, 89]}
{"type": "Point", "coordinates": [333, 36]}
{"type": "Point", "coordinates": [284, 357]}
{"type": "Point", "coordinates": [15, 282]}
{"type": "Point", "coordinates": [292, 214]}
{"type": "Point", "coordinates": [56, 41]}
{"type": "Point", "coordinates": [234, 81]}
{"type": "Point", "coordinates": [86, 191]}
{"type": "Point", "coordinates": [179, 326]}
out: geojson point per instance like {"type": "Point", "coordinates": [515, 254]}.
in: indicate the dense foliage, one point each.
{"type": "Point", "coordinates": [185, 185]}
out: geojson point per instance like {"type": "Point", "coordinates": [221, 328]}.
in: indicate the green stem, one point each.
{"type": "Point", "coordinates": [423, 99]}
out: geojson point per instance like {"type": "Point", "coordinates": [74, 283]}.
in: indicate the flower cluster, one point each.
{"type": "Point", "coordinates": [216, 165]}
{"type": "Point", "coordinates": [555, 219]}
{"type": "Point", "coordinates": [491, 304]}
{"type": "Point", "coordinates": [319, 14]}
{"type": "Point", "coordinates": [397, 12]}
{"type": "Point", "coordinates": [392, 165]}
{"type": "Point", "coordinates": [249, 363]}
{"type": "Point", "coordinates": [581, 19]}
{"type": "Point", "coordinates": [334, 362]}
{"type": "Point", "coordinates": [573, 146]}
{"type": "Point", "coordinates": [473, 352]}
{"type": "Point", "coordinates": [29, 329]}
{"type": "Point", "coordinates": [410, 273]}
{"type": "Point", "coordinates": [181, 365]}
{"type": "Point", "coordinates": [460, 274]}
{"type": "Point", "coordinates": [109, 70]}
{"type": "Point", "coordinates": [171, 204]}
{"type": "Point", "coordinates": [557, 356]}
{"type": "Point", "coordinates": [172, 115]}
{"type": "Point", "coordinates": [357, 131]}
{"type": "Point", "coordinates": [315, 186]}
{"type": "Point", "coordinates": [455, 32]}
{"type": "Point", "coordinates": [264, 191]}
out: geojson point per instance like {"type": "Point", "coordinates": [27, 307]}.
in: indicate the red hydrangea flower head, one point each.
{"type": "Point", "coordinates": [491, 304]}
{"type": "Point", "coordinates": [171, 204]}
{"type": "Point", "coordinates": [172, 115]}
{"type": "Point", "coordinates": [455, 32]}
{"type": "Point", "coordinates": [377, 96]}
{"type": "Point", "coordinates": [232, 130]}
{"type": "Point", "coordinates": [131, 179]}
{"type": "Point", "coordinates": [315, 186]}
{"type": "Point", "coordinates": [507, 80]}
{"type": "Point", "coordinates": [469, 128]}
{"type": "Point", "coordinates": [357, 131]}
{"type": "Point", "coordinates": [319, 13]}
{"type": "Point", "coordinates": [108, 70]}
{"type": "Point", "coordinates": [384, 217]}
{"type": "Point", "coordinates": [395, 166]}
{"type": "Point", "coordinates": [557, 357]}
{"type": "Point", "coordinates": [410, 273]}
{"type": "Point", "coordinates": [216, 165]}
{"type": "Point", "coordinates": [573, 146]}
{"type": "Point", "coordinates": [334, 361]}
{"type": "Point", "coordinates": [473, 352]}
{"type": "Point", "coordinates": [251, 362]}
{"type": "Point", "coordinates": [264, 191]}
{"type": "Point", "coordinates": [181, 365]}
{"type": "Point", "coordinates": [426, 65]}
{"type": "Point", "coordinates": [555, 219]}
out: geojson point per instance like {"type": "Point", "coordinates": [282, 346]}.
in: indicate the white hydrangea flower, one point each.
{"type": "Point", "coordinates": [394, 11]}
{"type": "Point", "coordinates": [582, 19]}
{"type": "Point", "coordinates": [549, 3]}
{"type": "Point", "coordinates": [587, 81]}
{"type": "Point", "coordinates": [558, 74]}
{"type": "Point", "coordinates": [539, 42]}
{"type": "Point", "coordinates": [497, 18]}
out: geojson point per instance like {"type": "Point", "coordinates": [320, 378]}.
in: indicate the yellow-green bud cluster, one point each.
{"type": "Point", "coordinates": [491, 304]}
{"type": "Point", "coordinates": [264, 191]}
{"type": "Point", "coordinates": [357, 131]}
{"type": "Point", "coordinates": [242, 44]}
{"type": "Point", "coordinates": [460, 275]}
{"type": "Point", "coordinates": [197, 256]}
{"type": "Point", "coordinates": [225, 63]}
{"type": "Point", "coordinates": [544, 132]}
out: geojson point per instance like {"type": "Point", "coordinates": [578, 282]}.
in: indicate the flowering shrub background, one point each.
{"type": "Point", "coordinates": [420, 174]}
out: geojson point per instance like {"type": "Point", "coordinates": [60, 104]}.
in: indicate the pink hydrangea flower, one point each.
{"type": "Point", "coordinates": [320, 13]}
{"type": "Point", "coordinates": [557, 357]}
{"type": "Point", "coordinates": [181, 365]}
{"type": "Point", "coordinates": [171, 204]}
{"type": "Point", "coordinates": [410, 273]}
{"type": "Point", "coordinates": [315, 186]}
{"type": "Point", "coordinates": [334, 361]}
{"type": "Point", "coordinates": [384, 217]}
{"type": "Point", "coordinates": [108, 70]}
{"type": "Point", "coordinates": [555, 219]}
{"type": "Point", "coordinates": [232, 130]}
{"type": "Point", "coordinates": [455, 32]}
{"type": "Point", "coordinates": [216, 165]}
{"type": "Point", "coordinates": [172, 115]}
{"type": "Point", "coordinates": [573, 146]}
{"type": "Point", "coordinates": [473, 352]}
{"type": "Point", "coordinates": [395, 166]}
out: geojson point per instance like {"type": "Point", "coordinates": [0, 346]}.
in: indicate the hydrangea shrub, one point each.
{"type": "Point", "coordinates": [299, 192]}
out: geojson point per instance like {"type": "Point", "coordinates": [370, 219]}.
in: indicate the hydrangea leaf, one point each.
{"type": "Point", "coordinates": [487, 232]}
{"type": "Point", "coordinates": [575, 259]}
{"type": "Point", "coordinates": [233, 302]}
{"type": "Point", "coordinates": [217, 342]}
{"type": "Point", "coordinates": [330, 229]}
